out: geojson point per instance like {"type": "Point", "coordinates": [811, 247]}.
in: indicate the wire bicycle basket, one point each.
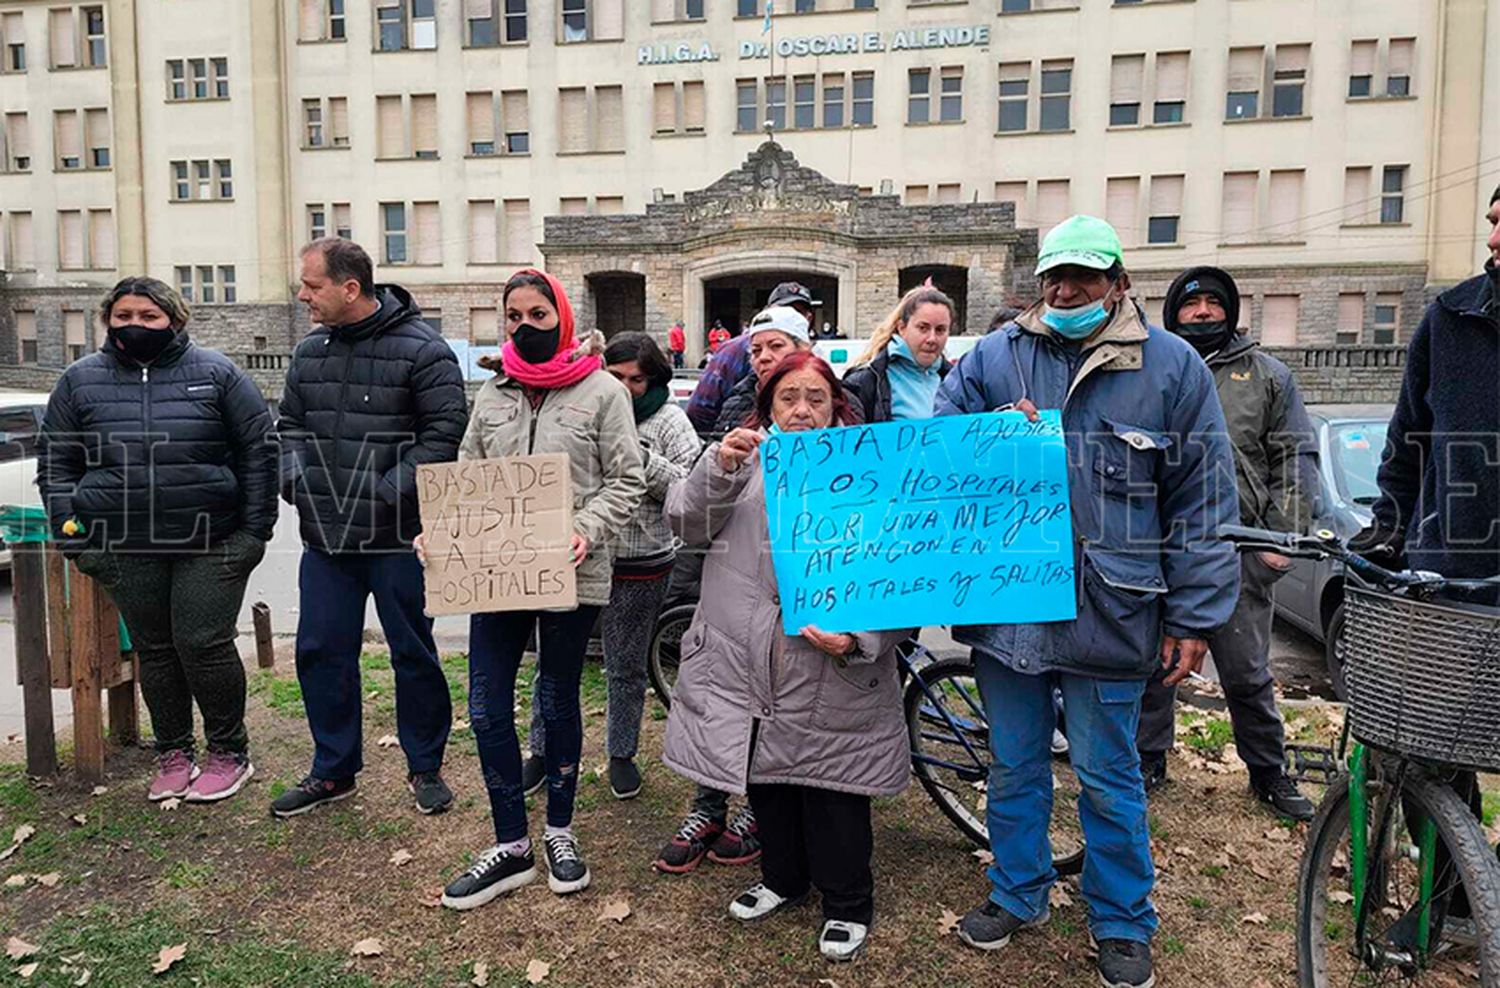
{"type": "Point", "coordinates": [1424, 677]}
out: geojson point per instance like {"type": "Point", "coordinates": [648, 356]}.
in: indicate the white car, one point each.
{"type": "Point", "coordinates": [20, 422]}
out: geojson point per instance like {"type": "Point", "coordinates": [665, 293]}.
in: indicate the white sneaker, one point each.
{"type": "Point", "coordinates": [1060, 746]}
{"type": "Point", "coordinates": [841, 941]}
{"type": "Point", "coordinates": [758, 902]}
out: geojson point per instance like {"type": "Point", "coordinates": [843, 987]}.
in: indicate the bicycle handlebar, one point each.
{"type": "Point", "coordinates": [1323, 544]}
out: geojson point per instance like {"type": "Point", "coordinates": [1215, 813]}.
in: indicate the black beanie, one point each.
{"type": "Point", "coordinates": [1202, 281]}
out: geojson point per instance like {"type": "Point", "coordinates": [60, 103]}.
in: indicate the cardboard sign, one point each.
{"type": "Point", "coordinates": [962, 519]}
{"type": "Point", "coordinates": [497, 534]}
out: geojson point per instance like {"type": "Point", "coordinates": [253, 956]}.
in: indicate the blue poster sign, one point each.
{"type": "Point", "coordinates": [956, 520]}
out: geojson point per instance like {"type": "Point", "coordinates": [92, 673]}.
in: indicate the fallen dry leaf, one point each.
{"type": "Point", "coordinates": [1262, 871]}
{"type": "Point", "coordinates": [1059, 897]}
{"type": "Point", "coordinates": [1278, 835]}
{"type": "Point", "coordinates": [79, 818]}
{"type": "Point", "coordinates": [387, 741]}
{"type": "Point", "coordinates": [16, 948]}
{"type": "Point", "coordinates": [617, 910]}
{"type": "Point", "coordinates": [481, 975]}
{"type": "Point", "coordinates": [369, 947]}
{"type": "Point", "coordinates": [23, 834]}
{"type": "Point", "coordinates": [985, 858]}
{"type": "Point", "coordinates": [27, 970]}
{"type": "Point", "coordinates": [948, 922]}
{"type": "Point", "coordinates": [1340, 896]}
{"type": "Point", "coordinates": [15, 881]}
{"type": "Point", "coordinates": [400, 857]}
{"type": "Point", "coordinates": [1259, 919]}
{"type": "Point", "coordinates": [537, 971]}
{"type": "Point", "coordinates": [431, 897]}
{"type": "Point", "coordinates": [49, 880]}
{"type": "Point", "coordinates": [168, 957]}
{"type": "Point", "coordinates": [99, 790]}
{"type": "Point", "coordinates": [167, 805]}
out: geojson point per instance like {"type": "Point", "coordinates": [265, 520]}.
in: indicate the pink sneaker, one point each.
{"type": "Point", "coordinates": [221, 778]}
{"type": "Point", "coordinates": [174, 772]}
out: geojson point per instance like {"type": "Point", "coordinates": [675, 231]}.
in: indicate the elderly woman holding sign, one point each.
{"type": "Point", "coordinates": [549, 395]}
{"type": "Point", "coordinates": [809, 726]}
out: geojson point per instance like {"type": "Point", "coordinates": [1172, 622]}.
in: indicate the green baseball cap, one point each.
{"type": "Point", "coordinates": [1086, 241]}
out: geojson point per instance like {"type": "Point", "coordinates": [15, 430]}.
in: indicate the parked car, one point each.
{"type": "Point", "coordinates": [20, 421]}
{"type": "Point", "coordinates": [1351, 439]}
{"type": "Point", "coordinates": [841, 354]}
{"type": "Point", "coordinates": [684, 383]}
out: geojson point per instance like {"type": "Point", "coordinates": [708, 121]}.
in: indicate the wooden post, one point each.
{"type": "Point", "coordinates": [88, 676]}
{"type": "Point", "coordinates": [29, 579]}
{"type": "Point", "coordinates": [265, 649]}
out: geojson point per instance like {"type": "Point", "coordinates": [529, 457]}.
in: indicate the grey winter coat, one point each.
{"type": "Point", "coordinates": [826, 722]}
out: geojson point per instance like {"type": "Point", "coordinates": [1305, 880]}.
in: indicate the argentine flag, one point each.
{"type": "Point", "coordinates": [765, 27]}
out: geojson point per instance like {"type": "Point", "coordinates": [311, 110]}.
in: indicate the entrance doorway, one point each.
{"type": "Point", "coordinates": [619, 299]}
{"type": "Point", "coordinates": [733, 300]}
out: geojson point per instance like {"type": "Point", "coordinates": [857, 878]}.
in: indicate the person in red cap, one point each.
{"type": "Point", "coordinates": [550, 394]}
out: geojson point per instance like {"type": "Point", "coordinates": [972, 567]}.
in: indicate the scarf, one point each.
{"type": "Point", "coordinates": [650, 403]}
{"type": "Point", "coordinates": [570, 365]}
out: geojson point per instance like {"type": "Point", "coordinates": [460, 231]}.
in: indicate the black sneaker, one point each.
{"type": "Point", "coordinates": [624, 778]}
{"type": "Point", "coordinates": [311, 793]}
{"type": "Point", "coordinates": [492, 875]}
{"type": "Point", "coordinates": [1154, 771]}
{"type": "Point", "coordinates": [433, 795]}
{"type": "Point", "coordinates": [1125, 964]}
{"type": "Point", "coordinates": [990, 927]}
{"type": "Point", "coordinates": [566, 871]}
{"type": "Point", "coordinates": [533, 774]}
{"type": "Point", "coordinates": [1281, 794]}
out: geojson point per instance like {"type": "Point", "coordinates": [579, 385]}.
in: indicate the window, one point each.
{"type": "Point", "coordinates": [484, 327]}
{"type": "Point", "coordinates": [335, 20]}
{"type": "Point", "coordinates": [1393, 194]}
{"type": "Point", "coordinates": [317, 222]}
{"type": "Point", "coordinates": [515, 20]}
{"type": "Point", "coordinates": [520, 247]}
{"type": "Point", "coordinates": [515, 117]}
{"type": "Point", "coordinates": [320, 20]}
{"type": "Point", "coordinates": [1165, 209]}
{"type": "Point", "coordinates": [22, 244]}
{"type": "Point", "coordinates": [676, 10]}
{"type": "Point", "coordinates": [1057, 86]}
{"type": "Point", "coordinates": [96, 131]}
{"type": "Point", "coordinates": [338, 120]}
{"type": "Point", "coordinates": [423, 25]}
{"type": "Point", "coordinates": [482, 24]}
{"type": "Point", "coordinates": [916, 195]}
{"type": "Point", "coordinates": [919, 96]}
{"type": "Point", "coordinates": [484, 232]}
{"type": "Point", "coordinates": [17, 142]}
{"type": "Point", "coordinates": [479, 110]}
{"type": "Point", "coordinates": [575, 20]}
{"type": "Point", "coordinates": [949, 193]}
{"type": "Point", "coordinates": [312, 123]}
{"type": "Point", "coordinates": [582, 132]}
{"type": "Point", "coordinates": [198, 77]}
{"type": "Point", "coordinates": [747, 106]}
{"type": "Point", "coordinates": [1237, 221]}
{"type": "Point", "coordinates": [68, 140]}
{"type": "Point", "coordinates": [609, 205]}
{"type": "Point", "coordinates": [93, 37]}
{"type": "Point", "coordinates": [390, 128]}
{"type": "Point", "coordinates": [862, 105]}
{"type": "Point", "coordinates": [1386, 316]}
{"type": "Point", "coordinates": [1278, 326]}
{"type": "Point", "coordinates": [1362, 69]}
{"type": "Point", "coordinates": [1126, 75]}
{"type": "Point", "coordinates": [1398, 67]}
{"type": "Point", "coordinates": [1351, 318]}
{"type": "Point", "coordinates": [951, 99]}
{"type": "Point", "coordinates": [776, 104]}
{"type": "Point", "coordinates": [1015, 81]}
{"type": "Point", "coordinates": [13, 27]}
{"type": "Point", "coordinates": [220, 68]}
{"type": "Point", "coordinates": [1015, 192]}
{"type": "Point", "coordinates": [184, 276]}
{"type": "Point", "coordinates": [390, 33]}
{"type": "Point", "coordinates": [591, 20]}
{"type": "Point", "coordinates": [75, 333]}
{"type": "Point", "coordinates": [176, 80]}
{"type": "Point", "coordinates": [747, 8]}
{"type": "Point", "coordinates": [1357, 195]}
{"type": "Point", "coordinates": [1246, 70]}
{"type": "Point", "coordinates": [805, 102]}
{"type": "Point", "coordinates": [1284, 205]}
{"type": "Point", "coordinates": [342, 227]}
{"type": "Point", "coordinates": [393, 227]}
{"type": "Point", "coordinates": [206, 293]}
{"type": "Point", "coordinates": [1052, 203]}
{"type": "Point", "coordinates": [424, 137]}
{"type": "Point", "coordinates": [26, 335]}
{"type": "Point", "coordinates": [102, 239]}
{"type": "Point", "coordinates": [70, 242]}
{"type": "Point", "coordinates": [208, 284]}
{"type": "Point", "coordinates": [1289, 80]}
{"type": "Point", "coordinates": [1121, 202]}
{"type": "Point", "coordinates": [1171, 87]}
{"type": "Point", "coordinates": [202, 180]}
{"type": "Point", "coordinates": [833, 100]}
{"type": "Point", "coordinates": [670, 116]}
{"type": "Point", "coordinates": [62, 31]}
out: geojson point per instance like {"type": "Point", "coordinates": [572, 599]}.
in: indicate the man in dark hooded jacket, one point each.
{"type": "Point", "coordinates": [371, 393]}
{"type": "Point", "coordinates": [1275, 472]}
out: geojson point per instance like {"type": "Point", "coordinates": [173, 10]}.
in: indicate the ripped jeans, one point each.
{"type": "Point", "coordinates": [496, 644]}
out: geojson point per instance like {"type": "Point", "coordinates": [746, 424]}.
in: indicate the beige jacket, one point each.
{"type": "Point", "coordinates": [831, 723]}
{"type": "Point", "coordinates": [592, 423]}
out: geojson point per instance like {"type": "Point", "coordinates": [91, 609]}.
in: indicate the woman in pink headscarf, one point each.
{"type": "Point", "coordinates": [550, 394]}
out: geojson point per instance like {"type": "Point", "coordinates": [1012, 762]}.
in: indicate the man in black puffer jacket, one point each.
{"type": "Point", "coordinates": [371, 392]}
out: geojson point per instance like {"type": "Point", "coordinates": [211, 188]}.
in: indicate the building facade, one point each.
{"type": "Point", "coordinates": [1340, 163]}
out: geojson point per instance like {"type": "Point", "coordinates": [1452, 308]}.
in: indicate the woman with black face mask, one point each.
{"type": "Point", "coordinates": [159, 475]}
{"type": "Point", "coordinates": [549, 395]}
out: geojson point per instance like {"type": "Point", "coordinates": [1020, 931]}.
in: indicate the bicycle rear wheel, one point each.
{"type": "Point", "coordinates": [1327, 951]}
{"type": "Point", "coordinates": [950, 756]}
{"type": "Point", "coordinates": [666, 649]}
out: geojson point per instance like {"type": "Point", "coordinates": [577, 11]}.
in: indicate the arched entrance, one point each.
{"type": "Point", "coordinates": [619, 301]}
{"type": "Point", "coordinates": [733, 300]}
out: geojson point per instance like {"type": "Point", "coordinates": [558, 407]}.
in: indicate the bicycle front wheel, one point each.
{"type": "Point", "coordinates": [1402, 943]}
{"type": "Point", "coordinates": [666, 649]}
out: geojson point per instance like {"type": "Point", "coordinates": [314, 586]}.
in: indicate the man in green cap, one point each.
{"type": "Point", "coordinates": [1150, 480]}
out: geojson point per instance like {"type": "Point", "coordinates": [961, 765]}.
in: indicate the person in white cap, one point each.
{"type": "Point", "coordinates": [774, 333]}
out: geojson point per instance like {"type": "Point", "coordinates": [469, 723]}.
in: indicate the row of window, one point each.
{"type": "Point", "coordinates": [85, 240]}
{"type": "Point", "coordinates": [75, 39]}
{"type": "Point", "coordinates": [1364, 318]}
{"type": "Point", "coordinates": [80, 140]}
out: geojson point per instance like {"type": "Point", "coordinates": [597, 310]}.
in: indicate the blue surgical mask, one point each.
{"type": "Point", "coordinates": [1076, 323]}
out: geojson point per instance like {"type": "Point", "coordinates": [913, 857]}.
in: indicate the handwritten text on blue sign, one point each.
{"type": "Point", "coordinates": [955, 520]}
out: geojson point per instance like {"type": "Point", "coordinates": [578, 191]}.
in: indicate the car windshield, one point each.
{"type": "Point", "coordinates": [1356, 456]}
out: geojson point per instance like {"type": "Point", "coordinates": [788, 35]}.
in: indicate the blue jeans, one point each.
{"type": "Point", "coordinates": [1102, 716]}
{"type": "Point", "coordinates": [330, 637]}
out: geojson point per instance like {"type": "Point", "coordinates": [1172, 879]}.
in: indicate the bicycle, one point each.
{"type": "Point", "coordinates": [949, 736]}
{"type": "Point", "coordinates": [1396, 856]}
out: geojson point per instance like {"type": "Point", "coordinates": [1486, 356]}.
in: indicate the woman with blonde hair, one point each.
{"type": "Point", "coordinates": [898, 375]}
